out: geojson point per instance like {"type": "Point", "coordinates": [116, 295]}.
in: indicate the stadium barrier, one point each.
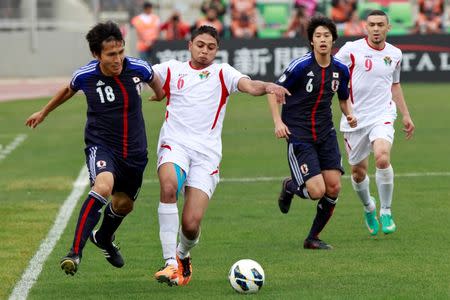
{"type": "Point", "coordinates": [426, 58]}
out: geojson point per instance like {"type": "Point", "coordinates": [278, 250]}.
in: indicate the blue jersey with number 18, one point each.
{"type": "Point", "coordinates": [114, 112]}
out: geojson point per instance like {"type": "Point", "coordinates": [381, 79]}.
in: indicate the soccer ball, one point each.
{"type": "Point", "coordinates": [246, 276]}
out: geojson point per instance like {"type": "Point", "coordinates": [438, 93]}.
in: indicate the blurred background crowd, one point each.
{"type": "Point", "coordinates": [171, 19]}
{"type": "Point", "coordinates": [233, 19]}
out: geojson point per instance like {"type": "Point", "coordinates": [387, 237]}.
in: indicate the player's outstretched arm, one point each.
{"type": "Point", "coordinates": [348, 113]}
{"type": "Point", "coordinates": [258, 88]}
{"type": "Point", "coordinates": [61, 96]}
{"type": "Point", "coordinates": [399, 99]}
{"type": "Point", "coordinates": [156, 86]}
{"type": "Point", "coordinates": [281, 130]}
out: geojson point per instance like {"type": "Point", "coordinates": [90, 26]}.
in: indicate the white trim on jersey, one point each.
{"type": "Point", "coordinates": [81, 72]}
{"type": "Point", "coordinates": [145, 65]}
{"type": "Point", "coordinates": [295, 62]}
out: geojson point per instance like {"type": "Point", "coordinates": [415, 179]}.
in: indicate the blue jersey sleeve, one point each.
{"type": "Point", "coordinates": [142, 67]}
{"type": "Point", "coordinates": [78, 76]}
{"type": "Point", "coordinates": [343, 92]}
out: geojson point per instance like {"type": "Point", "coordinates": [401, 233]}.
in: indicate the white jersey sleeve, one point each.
{"type": "Point", "coordinates": [396, 75]}
{"type": "Point", "coordinates": [162, 69]}
{"type": "Point", "coordinates": [232, 77]}
{"type": "Point", "coordinates": [343, 54]}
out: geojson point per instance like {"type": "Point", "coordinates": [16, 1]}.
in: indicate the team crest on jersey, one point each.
{"type": "Point", "coordinates": [204, 74]}
{"type": "Point", "coordinates": [335, 74]}
{"type": "Point", "coordinates": [387, 60]}
{"type": "Point", "coordinates": [101, 164]}
{"type": "Point", "coordinates": [334, 85]}
{"type": "Point", "coordinates": [282, 78]}
{"type": "Point", "coordinates": [304, 169]}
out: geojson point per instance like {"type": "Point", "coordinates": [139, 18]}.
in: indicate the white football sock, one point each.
{"type": "Point", "coordinates": [363, 192]}
{"type": "Point", "coordinates": [385, 183]}
{"type": "Point", "coordinates": [168, 230]}
{"type": "Point", "coordinates": [185, 245]}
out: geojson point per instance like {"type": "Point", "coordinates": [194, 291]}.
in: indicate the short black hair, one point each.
{"type": "Point", "coordinates": [205, 29]}
{"type": "Point", "coordinates": [378, 12]}
{"type": "Point", "coordinates": [321, 21]}
{"type": "Point", "coordinates": [147, 5]}
{"type": "Point", "coordinates": [103, 32]}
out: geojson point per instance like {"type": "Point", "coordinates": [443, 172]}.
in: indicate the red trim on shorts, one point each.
{"type": "Point", "coordinates": [166, 89]}
{"type": "Point", "coordinates": [125, 117]}
{"type": "Point", "coordinates": [352, 68]}
{"type": "Point", "coordinates": [166, 146]}
{"type": "Point", "coordinates": [216, 171]}
{"type": "Point", "coordinates": [76, 247]}
{"type": "Point", "coordinates": [223, 98]}
{"type": "Point", "coordinates": [316, 105]}
{"type": "Point", "coordinates": [387, 123]}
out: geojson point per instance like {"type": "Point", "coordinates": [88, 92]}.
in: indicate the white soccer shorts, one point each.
{"type": "Point", "coordinates": [202, 172]}
{"type": "Point", "coordinates": [358, 144]}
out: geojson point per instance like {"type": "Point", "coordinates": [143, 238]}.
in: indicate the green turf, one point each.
{"type": "Point", "coordinates": [242, 221]}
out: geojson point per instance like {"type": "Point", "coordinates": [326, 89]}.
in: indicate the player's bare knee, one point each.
{"type": "Point", "coordinates": [123, 207]}
{"type": "Point", "coordinates": [102, 189]}
{"type": "Point", "coordinates": [382, 160]}
{"type": "Point", "coordinates": [190, 229]}
{"type": "Point", "coordinates": [316, 192]}
{"type": "Point", "coordinates": [168, 193]}
{"type": "Point", "coordinates": [358, 174]}
{"type": "Point", "coordinates": [333, 189]}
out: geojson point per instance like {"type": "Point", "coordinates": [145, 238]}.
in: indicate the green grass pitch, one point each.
{"type": "Point", "coordinates": [242, 221]}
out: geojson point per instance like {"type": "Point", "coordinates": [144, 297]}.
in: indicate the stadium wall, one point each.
{"type": "Point", "coordinates": [426, 57]}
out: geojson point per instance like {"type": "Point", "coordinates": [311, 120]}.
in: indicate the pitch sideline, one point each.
{"type": "Point", "coordinates": [29, 277]}
{"type": "Point", "coordinates": [4, 152]}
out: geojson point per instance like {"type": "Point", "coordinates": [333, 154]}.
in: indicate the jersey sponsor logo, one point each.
{"type": "Point", "coordinates": [282, 78]}
{"type": "Point", "coordinates": [101, 164]}
{"type": "Point", "coordinates": [310, 74]}
{"type": "Point", "coordinates": [100, 83]}
{"type": "Point", "coordinates": [387, 60]}
{"type": "Point", "coordinates": [204, 74]}
{"type": "Point", "coordinates": [335, 74]}
{"type": "Point", "coordinates": [136, 79]}
{"type": "Point", "coordinates": [334, 85]}
{"type": "Point", "coordinates": [304, 169]}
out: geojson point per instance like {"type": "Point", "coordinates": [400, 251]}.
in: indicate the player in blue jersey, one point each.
{"type": "Point", "coordinates": [306, 123]}
{"type": "Point", "coordinates": [116, 144]}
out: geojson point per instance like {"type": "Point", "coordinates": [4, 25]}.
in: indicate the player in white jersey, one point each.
{"type": "Point", "coordinates": [375, 93]}
{"type": "Point", "coordinates": [190, 146]}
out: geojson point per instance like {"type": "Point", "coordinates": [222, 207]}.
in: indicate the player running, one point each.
{"type": "Point", "coordinates": [116, 144]}
{"type": "Point", "coordinates": [190, 145]}
{"type": "Point", "coordinates": [375, 92]}
{"type": "Point", "coordinates": [306, 123]}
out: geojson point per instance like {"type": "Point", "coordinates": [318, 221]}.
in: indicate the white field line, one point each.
{"type": "Point", "coordinates": [268, 179]}
{"type": "Point", "coordinates": [5, 151]}
{"type": "Point", "coordinates": [34, 268]}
